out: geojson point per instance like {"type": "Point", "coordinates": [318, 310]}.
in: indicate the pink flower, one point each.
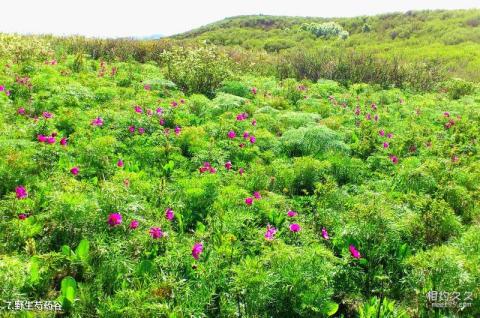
{"type": "Point", "coordinates": [254, 122]}
{"type": "Point", "coordinates": [159, 110]}
{"type": "Point", "coordinates": [138, 109]}
{"type": "Point", "coordinates": [41, 138]}
{"type": "Point", "coordinates": [355, 253]}
{"type": "Point", "coordinates": [368, 116]}
{"type": "Point", "coordinates": [228, 165]}
{"type": "Point", "coordinates": [394, 159]}
{"type": "Point", "coordinates": [385, 145]}
{"type": "Point", "coordinates": [114, 219]}
{"type": "Point", "coordinates": [177, 130]}
{"type": "Point", "coordinates": [295, 227]}
{"type": "Point", "coordinates": [241, 171]}
{"type": "Point", "coordinates": [147, 87]}
{"type": "Point", "coordinates": [21, 192]}
{"type": "Point", "coordinates": [249, 201]}
{"type": "Point", "coordinates": [446, 114]}
{"type": "Point", "coordinates": [253, 90]}
{"type": "Point", "coordinates": [169, 214]}
{"type": "Point", "coordinates": [291, 213]}
{"type": "Point", "coordinates": [2, 88]}
{"type": "Point", "coordinates": [97, 121]}
{"type": "Point", "coordinates": [63, 141]}
{"type": "Point", "coordinates": [131, 129]}
{"type": "Point", "coordinates": [74, 171]}
{"type": "Point", "coordinates": [182, 101]}
{"type": "Point", "coordinates": [133, 225]}
{"type": "Point", "coordinates": [357, 111]}
{"type": "Point", "coordinates": [197, 250]}
{"type": "Point", "coordinates": [252, 139]}
{"type": "Point", "coordinates": [325, 234]}
{"type": "Point", "coordinates": [47, 115]}
{"type": "Point", "coordinates": [257, 195]}
{"type": "Point", "coordinates": [231, 134]}
{"type": "Point", "coordinates": [455, 158]}
{"type": "Point", "coordinates": [141, 130]}
{"type": "Point", "coordinates": [389, 135]}
{"type": "Point", "coordinates": [120, 163]}
{"type": "Point", "coordinates": [270, 232]}
{"type": "Point", "coordinates": [50, 139]}
{"type": "Point", "coordinates": [21, 111]}
{"type": "Point", "coordinates": [174, 104]}
{"type": "Point", "coordinates": [156, 233]}
{"type": "Point", "coordinates": [22, 216]}
{"type": "Point", "coordinates": [374, 106]}
{"type": "Point", "coordinates": [376, 117]}
{"type": "Point", "coordinates": [161, 121]}
{"type": "Point", "coordinates": [245, 135]}
{"type": "Point", "coordinates": [381, 132]}
{"type": "Point", "coordinates": [149, 112]}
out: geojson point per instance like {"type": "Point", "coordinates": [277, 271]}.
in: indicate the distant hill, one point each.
{"type": "Point", "coordinates": [150, 37]}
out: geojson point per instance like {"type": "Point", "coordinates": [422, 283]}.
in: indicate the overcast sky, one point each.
{"type": "Point", "coordinates": [114, 18]}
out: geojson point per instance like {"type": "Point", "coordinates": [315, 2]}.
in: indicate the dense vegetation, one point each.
{"type": "Point", "coordinates": [174, 179]}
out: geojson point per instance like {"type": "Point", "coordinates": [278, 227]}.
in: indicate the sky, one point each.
{"type": "Point", "coordinates": [119, 18]}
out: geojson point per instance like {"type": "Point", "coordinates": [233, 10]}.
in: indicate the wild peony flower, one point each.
{"type": "Point", "coordinates": [357, 111]}
{"type": "Point", "coordinates": [446, 114]}
{"type": "Point", "coordinates": [374, 106]}
{"type": "Point", "coordinates": [47, 115]}
{"type": "Point", "coordinates": [355, 253]}
{"type": "Point", "coordinates": [138, 109]}
{"type": "Point", "coordinates": [386, 145]}
{"type": "Point", "coordinates": [394, 159]}
{"type": "Point", "coordinates": [75, 171]}
{"type": "Point", "coordinates": [245, 135]}
{"type": "Point", "coordinates": [22, 216]}
{"type": "Point", "coordinates": [114, 219]}
{"type": "Point", "coordinates": [325, 234]}
{"type": "Point", "coordinates": [147, 87]}
{"type": "Point", "coordinates": [131, 129]}
{"type": "Point", "coordinates": [269, 235]}
{"type": "Point", "coordinates": [207, 167]}
{"type": "Point", "coordinates": [2, 88]}
{"type": "Point", "coordinates": [21, 192]}
{"type": "Point", "coordinates": [63, 141]}
{"type": "Point", "coordinates": [242, 116]}
{"type": "Point", "coordinates": [291, 213]}
{"type": "Point", "coordinates": [381, 132]}
{"type": "Point", "coordinates": [253, 139]}
{"type": "Point", "coordinates": [174, 104]}
{"type": "Point", "coordinates": [41, 138]}
{"type": "Point", "coordinates": [455, 158]}
{"type": "Point", "coordinates": [120, 163]}
{"type": "Point", "coordinates": [141, 130]}
{"type": "Point", "coordinates": [376, 117]}
{"type": "Point", "coordinates": [182, 101]}
{"type": "Point", "coordinates": [159, 110]}
{"type": "Point", "coordinates": [197, 250]}
{"type": "Point", "coordinates": [177, 130]}
{"type": "Point", "coordinates": [231, 134]}
{"type": "Point", "coordinates": [390, 135]}
{"type": "Point", "coordinates": [249, 201]}
{"type": "Point", "coordinates": [253, 90]}
{"type": "Point", "coordinates": [169, 214]}
{"type": "Point", "coordinates": [241, 171]}
{"type": "Point", "coordinates": [368, 116]}
{"type": "Point", "coordinates": [295, 227]}
{"type": "Point", "coordinates": [21, 111]}
{"type": "Point", "coordinates": [254, 122]}
{"type": "Point", "coordinates": [228, 165]}
{"type": "Point", "coordinates": [257, 195]}
{"type": "Point", "coordinates": [97, 122]}
{"type": "Point", "coordinates": [156, 233]}
{"type": "Point", "coordinates": [161, 121]}
{"type": "Point", "coordinates": [50, 139]}
{"type": "Point", "coordinates": [133, 225]}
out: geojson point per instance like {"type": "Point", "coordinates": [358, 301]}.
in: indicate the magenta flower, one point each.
{"type": "Point", "coordinates": [355, 253]}
{"type": "Point", "coordinates": [50, 139]}
{"type": "Point", "coordinates": [254, 122]}
{"type": "Point", "coordinates": [174, 104]}
{"type": "Point", "coordinates": [133, 225]}
{"type": "Point", "coordinates": [389, 135]}
{"type": "Point", "coordinates": [21, 192]}
{"type": "Point", "coordinates": [245, 135]}
{"type": "Point", "coordinates": [357, 111]}
{"type": "Point", "coordinates": [394, 159]}
{"type": "Point", "coordinates": [147, 87]}
{"type": "Point", "coordinates": [252, 139]}
{"type": "Point", "coordinates": [269, 235]}
{"type": "Point", "coordinates": [75, 171]}
{"type": "Point", "coordinates": [141, 130]}
{"type": "Point", "coordinates": [197, 250]}
{"type": "Point", "coordinates": [325, 234]}
{"type": "Point", "coordinates": [368, 116]}
{"type": "Point", "coordinates": [231, 134]}
{"type": "Point", "coordinates": [161, 121]}
{"type": "Point", "coordinates": [177, 130]}
{"type": "Point", "coordinates": [131, 129]}
{"type": "Point", "coordinates": [47, 115]}
{"type": "Point", "coordinates": [159, 110]}
{"type": "Point", "coordinates": [249, 201]}
{"type": "Point", "coordinates": [138, 109]}
{"type": "Point", "coordinates": [22, 216]}
{"type": "Point", "coordinates": [41, 138]}
{"type": "Point", "coordinates": [156, 233]}
{"type": "Point", "coordinates": [381, 132]}
{"type": "Point", "coordinates": [228, 165]}
{"type": "Point", "coordinates": [242, 116]}
{"type": "Point", "coordinates": [114, 219]}
{"type": "Point", "coordinates": [295, 227]}
{"type": "Point", "coordinates": [257, 195]}
{"type": "Point", "coordinates": [21, 111]}
{"type": "Point", "coordinates": [455, 158]}
{"type": "Point", "coordinates": [241, 171]}
{"type": "Point", "coordinates": [291, 213]}
{"type": "Point", "coordinates": [374, 106]}
{"type": "Point", "coordinates": [97, 121]}
{"type": "Point", "coordinates": [169, 214]}
{"type": "Point", "coordinates": [120, 163]}
{"type": "Point", "coordinates": [446, 114]}
{"type": "Point", "coordinates": [63, 141]}
{"type": "Point", "coordinates": [253, 90]}
{"type": "Point", "coordinates": [2, 88]}
{"type": "Point", "coordinates": [386, 145]}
